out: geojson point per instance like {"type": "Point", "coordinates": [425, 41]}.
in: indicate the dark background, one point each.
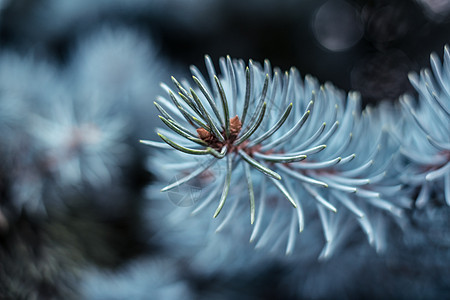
{"type": "Point", "coordinates": [392, 37]}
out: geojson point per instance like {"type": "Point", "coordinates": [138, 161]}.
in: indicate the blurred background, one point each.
{"type": "Point", "coordinates": [77, 83]}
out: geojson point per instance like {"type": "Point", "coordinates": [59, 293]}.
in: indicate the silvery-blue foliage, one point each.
{"type": "Point", "coordinates": [294, 149]}
{"type": "Point", "coordinates": [120, 66]}
{"type": "Point", "coordinates": [65, 127]}
{"type": "Point", "coordinates": [27, 86]}
{"type": "Point", "coordinates": [425, 132]}
{"type": "Point", "coordinates": [31, 79]}
{"type": "Point", "coordinates": [141, 279]}
{"type": "Point", "coordinates": [80, 141]}
{"type": "Point", "coordinates": [193, 239]}
{"type": "Point", "coordinates": [116, 62]}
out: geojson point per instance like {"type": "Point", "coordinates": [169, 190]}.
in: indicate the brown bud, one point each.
{"type": "Point", "coordinates": [203, 134]}
{"type": "Point", "coordinates": [235, 126]}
